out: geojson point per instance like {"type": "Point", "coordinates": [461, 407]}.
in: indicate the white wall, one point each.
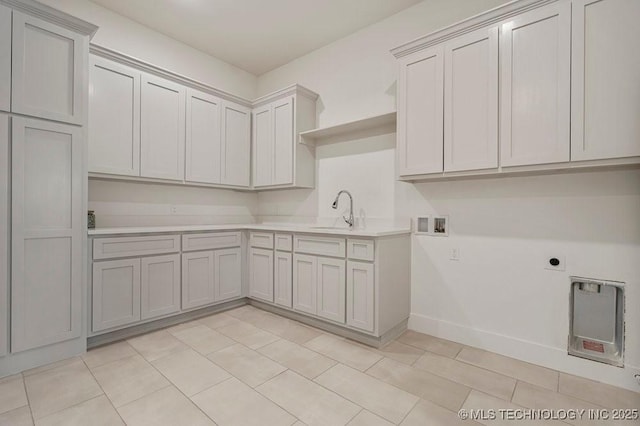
{"type": "Point", "coordinates": [498, 296]}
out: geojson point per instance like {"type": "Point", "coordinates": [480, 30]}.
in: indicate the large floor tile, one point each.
{"type": "Point", "coordinates": [481, 401]}
{"type": "Point", "coordinates": [18, 417]}
{"type": "Point", "coordinates": [190, 372]}
{"type": "Point", "coordinates": [128, 379]}
{"type": "Point", "coordinates": [430, 343]}
{"type": "Point", "coordinates": [218, 321]}
{"type": "Point", "coordinates": [478, 378]}
{"type": "Point", "coordinates": [166, 407]}
{"type": "Point", "coordinates": [95, 412]}
{"type": "Point", "coordinates": [246, 311]}
{"type": "Point", "coordinates": [598, 393]}
{"type": "Point", "coordinates": [421, 383]}
{"type": "Point", "coordinates": [246, 364]}
{"type": "Point", "coordinates": [303, 361]}
{"type": "Point", "coordinates": [248, 334]}
{"type": "Point", "coordinates": [400, 352]}
{"type": "Point", "coordinates": [12, 394]}
{"type": "Point", "coordinates": [351, 354]}
{"type": "Point", "coordinates": [520, 370]}
{"type": "Point", "coordinates": [367, 418]}
{"type": "Point", "coordinates": [156, 345]}
{"type": "Point", "coordinates": [232, 403]}
{"type": "Point", "coordinates": [106, 354]}
{"type": "Point", "coordinates": [376, 396]}
{"type": "Point", "coordinates": [202, 338]}
{"type": "Point", "coordinates": [50, 366]}
{"type": "Point", "coordinates": [428, 413]}
{"type": "Point", "coordinates": [59, 388]}
{"type": "Point", "coordinates": [308, 401]}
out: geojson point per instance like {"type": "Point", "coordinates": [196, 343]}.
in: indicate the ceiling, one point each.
{"type": "Point", "coordinates": [256, 35]}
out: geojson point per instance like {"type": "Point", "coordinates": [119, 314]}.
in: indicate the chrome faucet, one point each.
{"type": "Point", "coordinates": [349, 219]}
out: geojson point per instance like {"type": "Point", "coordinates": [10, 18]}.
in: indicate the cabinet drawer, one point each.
{"type": "Point", "coordinates": [107, 248]}
{"type": "Point", "coordinates": [209, 241]}
{"type": "Point", "coordinates": [284, 242]}
{"type": "Point", "coordinates": [360, 249]}
{"type": "Point", "coordinates": [261, 240]}
{"type": "Point", "coordinates": [323, 246]}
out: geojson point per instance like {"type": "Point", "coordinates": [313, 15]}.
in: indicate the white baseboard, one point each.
{"type": "Point", "coordinates": [535, 353]}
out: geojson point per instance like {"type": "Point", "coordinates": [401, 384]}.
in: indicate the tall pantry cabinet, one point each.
{"type": "Point", "coordinates": [43, 97]}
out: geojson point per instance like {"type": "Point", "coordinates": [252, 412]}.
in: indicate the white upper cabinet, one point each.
{"type": "Point", "coordinates": [605, 96]}
{"type": "Point", "coordinates": [114, 118]}
{"type": "Point", "coordinates": [278, 159]}
{"type": "Point", "coordinates": [535, 86]}
{"type": "Point", "coordinates": [420, 113]}
{"type": "Point", "coordinates": [203, 138]}
{"type": "Point", "coordinates": [471, 101]}
{"type": "Point", "coordinates": [48, 65]}
{"type": "Point", "coordinates": [4, 231]}
{"type": "Point", "coordinates": [236, 145]}
{"type": "Point", "coordinates": [162, 129]}
{"type": "Point", "coordinates": [5, 58]}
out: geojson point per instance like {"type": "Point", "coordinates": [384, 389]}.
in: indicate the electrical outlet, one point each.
{"type": "Point", "coordinates": [174, 210]}
{"type": "Point", "coordinates": [455, 254]}
{"type": "Point", "coordinates": [554, 263]}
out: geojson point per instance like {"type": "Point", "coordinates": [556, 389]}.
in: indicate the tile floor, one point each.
{"type": "Point", "coordinates": [250, 367]}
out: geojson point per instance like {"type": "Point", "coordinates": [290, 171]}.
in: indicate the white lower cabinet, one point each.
{"type": "Point", "coordinates": [116, 293]}
{"type": "Point", "coordinates": [197, 279]}
{"type": "Point", "coordinates": [282, 270]}
{"type": "Point", "coordinates": [261, 274]}
{"type": "Point", "coordinates": [305, 277]}
{"type": "Point", "coordinates": [331, 289]}
{"type": "Point", "coordinates": [360, 295]}
{"type": "Point", "coordinates": [228, 273]}
{"type": "Point", "coordinates": [160, 285]}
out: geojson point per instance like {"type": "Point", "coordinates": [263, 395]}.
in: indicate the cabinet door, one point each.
{"type": "Point", "coordinates": [331, 289]}
{"type": "Point", "coordinates": [160, 286]}
{"type": "Point", "coordinates": [360, 295]}
{"type": "Point", "coordinates": [605, 95]}
{"type": "Point", "coordinates": [236, 146]}
{"type": "Point", "coordinates": [282, 272]}
{"type": "Point", "coordinates": [228, 273]}
{"type": "Point", "coordinates": [262, 147]}
{"type": "Point", "coordinates": [114, 118]}
{"type": "Point", "coordinates": [115, 293]}
{"type": "Point", "coordinates": [5, 58]}
{"type": "Point", "coordinates": [535, 89]}
{"type": "Point", "coordinates": [305, 276]}
{"type": "Point", "coordinates": [261, 274]}
{"type": "Point", "coordinates": [420, 113]}
{"type": "Point", "coordinates": [471, 101]}
{"type": "Point", "coordinates": [48, 66]}
{"type": "Point", "coordinates": [4, 232]}
{"type": "Point", "coordinates": [203, 138]}
{"type": "Point", "coordinates": [162, 129]}
{"type": "Point", "coordinates": [283, 140]}
{"type": "Point", "coordinates": [47, 233]}
{"type": "Point", "coordinates": [197, 279]}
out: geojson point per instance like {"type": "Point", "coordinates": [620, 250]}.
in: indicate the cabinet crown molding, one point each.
{"type": "Point", "coordinates": [294, 89]}
{"type": "Point", "coordinates": [468, 25]}
{"type": "Point", "coordinates": [52, 15]}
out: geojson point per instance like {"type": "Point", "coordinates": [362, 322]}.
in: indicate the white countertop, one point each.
{"type": "Point", "coordinates": [275, 227]}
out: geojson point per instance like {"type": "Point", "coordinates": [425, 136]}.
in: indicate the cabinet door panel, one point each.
{"type": "Point", "coordinates": [115, 293]}
{"type": "Point", "coordinates": [360, 295]}
{"type": "Point", "coordinates": [162, 129]}
{"type": "Point", "coordinates": [471, 101]}
{"type": "Point", "coordinates": [331, 289]}
{"type": "Point", "coordinates": [305, 276]}
{"type": "Point", "coordinates": [5, 58]}
{"type": "Point", "coordinates": [160, 286]}
{"type": "Point", "coordinates": [4, 232]}
{"type": "Point", "coordinates": [605, 85]}
{"type": "Point", "coordinates": [48, 62]}
{"type": "Point", "coordinates": [261, 274]}
{"type": "Point", "coordinates": [236, 146]}
{"type": "Point", "coordinates": [283, 279]}
{"type": "Point", "coordinates": [47, 233]}
{"type": "Point", "coordinates": [197, 279]}
{"type": "Point", "coordinates": [420, 113]}
{"type": "Point", "coordinates": [283, 141]}
{"type": "Point", "coordinates": [228, 273]}
{"type": "Point", "coordinates": [535, 86]}
{"type": "Point", "coordinates": [203, 138]}
{"type": "Point", "coordinates": [114, 118]}
{"type": "Point", "coordinates": [262, 147]}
